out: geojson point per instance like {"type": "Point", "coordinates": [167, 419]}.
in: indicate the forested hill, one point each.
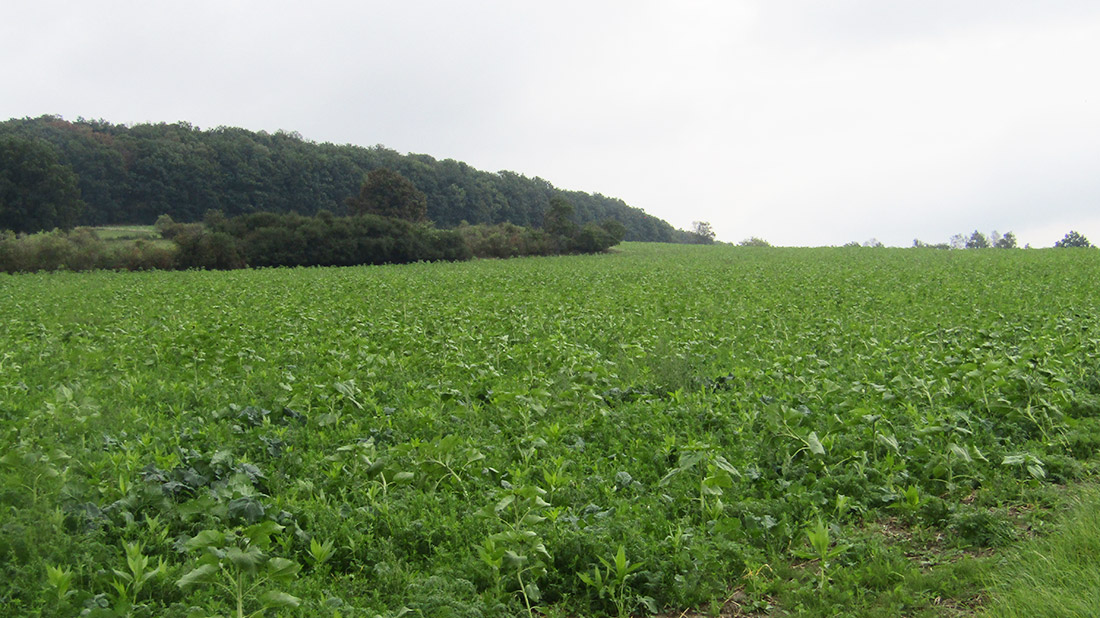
{"type": "Point", "coordinates": [133, 174]}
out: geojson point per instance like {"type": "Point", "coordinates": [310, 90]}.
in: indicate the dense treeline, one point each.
{"type": "Point", "coordinates": [134, 174]}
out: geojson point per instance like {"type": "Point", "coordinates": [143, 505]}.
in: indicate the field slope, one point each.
{"type": "Point", "coordinates": [803, 431]}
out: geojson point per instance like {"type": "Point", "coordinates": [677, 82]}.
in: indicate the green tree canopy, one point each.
{"type": "Point", "coordinates": [977, 240]}
{"type": "Point", "coordinates": [703, 232]}
{"type": "Point", "coordinates": [753, 241]}
{"type": "Point", "coordinates": [1073, 239]}
{"type": "Point", "coordinates": [37, 191]}
{"type": "Point", "coordinates": [1008, 241]}
{"type": "Point", "coordinates": [559, 218]}
{"type": "Point", "coordinates": [133, 174]}
{"type": "Point", "coordinates": [389, 194]}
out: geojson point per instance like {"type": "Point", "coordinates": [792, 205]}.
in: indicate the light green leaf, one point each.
{"type": "Point", "coordinates": [206, 538]}
{"type": "Point", "coordinates": [247, 560]}
{"type": "Point", "coordinates": [889, 441]}
{"type": "Point", "coordinates": [815, 444]}
{"type": "Point", "coordinates": [204, 574]}
{"type": "Point", "coordinates": [275, 598]}
{"type": "Point", "coordinates": [260, 534]}
{"type": "Point", "coordinates": [282, 569]}
{"type": "Point", "coordinates": [959, 451]}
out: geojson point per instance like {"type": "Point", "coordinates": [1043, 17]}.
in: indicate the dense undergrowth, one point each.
{"type": "Point", "coordinates": [657, 429]}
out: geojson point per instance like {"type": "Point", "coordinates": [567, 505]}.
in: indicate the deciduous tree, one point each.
{"type": "Point", "coordinates": [1073, 240]}
{"type": "Point", "coordinates": [559, 218]}
{"type": "Point", "coordinates": [977, 240]}
{"type": "Point", "coordinates": [1008, 241]}
{"type": "Point", "coordinates": [703, 232]}
{"type": "Point", "coordinates": [389, 194]}
{"type": "Point", "coordinates": [37, 191]}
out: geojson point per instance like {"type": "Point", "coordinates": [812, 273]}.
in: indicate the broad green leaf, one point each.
{"type": "Point", "coordinates": [206, 538]}
{"type": "Point", "coordinates": [205, 574]}
{"type": "Point", "coordinates": [513, 559]}
{"type": "Point", "coordinates": [531, 519]}
{"type": "Point", "coordinates": [247, 560]}
{"type": "Point", "coordinates": [260, 534]}
{"type": "Point", "coordinates": [505, 502]}
{"type": "Point", "coordinates": [690, 459]}
{"type": "Point", "coordinates": [282, 569]}
{"type": "Point", "coordinates": [274, 598]}
{"type": "Point", "coordinates": [247, 508]}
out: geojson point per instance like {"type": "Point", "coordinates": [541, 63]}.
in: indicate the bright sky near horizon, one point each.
{"type": "Point", "coordinates": [798, 121]}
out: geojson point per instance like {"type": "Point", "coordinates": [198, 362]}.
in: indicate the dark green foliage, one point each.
{"type": "Point", "coordinates": [37, 191]}
{"type": "Point", "coordinates": [1073, 239]}
{"type": "Point", "coordinates": [559, 218]}
{"type": "Point", "coordinates": [977, 240]}
{"type": "Point", "coordinates": [387, 193]}
{"type": "Point", "coordinates": [201, 248]}
{"type": "Point", "coordinates": [1008, 241]}
{"type": "Point", "coordinates": [136, 174]}
{"type": "Point", "coordinates": [979, 527]}
{"type": "Point", "coordinates": [568, 237]}
{"type": "Point", "coordinates": [269, 239]}
{"type": "Point", "coordinates": [593, 238]}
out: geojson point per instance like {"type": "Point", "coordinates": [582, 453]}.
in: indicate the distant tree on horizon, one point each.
{"type": "Point", "coordinates": [753, 241]}
{"type": "Point", "coordinates": [1072, 240]}
{"type": "Point", "coordinates": [703, 232]}
{"type": "Point", "coordinates": [977, 240]}
{"type": "Point", "coordinates": [1008, 241]}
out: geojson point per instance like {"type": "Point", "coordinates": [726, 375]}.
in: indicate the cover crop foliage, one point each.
{"type": "Point", "coordinates": [664, 428]}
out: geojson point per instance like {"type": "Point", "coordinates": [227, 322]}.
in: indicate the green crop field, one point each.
{"type": "Point", "coordinates": [663, 429]}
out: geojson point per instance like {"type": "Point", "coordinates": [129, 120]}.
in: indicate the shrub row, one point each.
{"type": "Point", "coordinates": [79, 250]}
{"type": "Point", "coordinates": [506, 240]}
{"type": "Point", "coordinates": [271, 239]}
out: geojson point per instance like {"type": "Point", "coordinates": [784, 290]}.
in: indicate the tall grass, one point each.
{"type": "Point", "coordinates": [1057, 575]}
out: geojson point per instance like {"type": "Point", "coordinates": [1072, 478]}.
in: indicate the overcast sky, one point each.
{"type": "Point", "coordinates": [801, 122]}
